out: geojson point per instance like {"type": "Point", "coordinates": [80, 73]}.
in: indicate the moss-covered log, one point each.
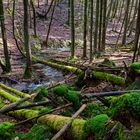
{"type": "Point", "coordinates": [8, 96]}
{"type": "Point", "coordinates": [14, 91]}
{"type": "Point", "coordinates": [99, 75]}
{"type": "Point", "coordinates": [109, 77]}
{"type": "Point", "coordinates": [55, 65]}
{"type": "Point", "coordinates": [56, 122]}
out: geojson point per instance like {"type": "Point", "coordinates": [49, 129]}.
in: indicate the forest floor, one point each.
{"type": "Point", "coordinates": [60, 32]}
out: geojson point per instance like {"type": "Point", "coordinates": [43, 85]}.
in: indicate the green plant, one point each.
{"type": "Point", "coordinates": [93, 109]}
{"type": "Point", "coordinates": [60, 90]}
{"type": "Point", "coordinates": [6, 130]}
{"type": "Point", "coordinates": [96, 126]}
{"type": "Point", "coordinates": [37, 132]}
{"type": "Point", "coordinates": [129, 103]}
{"type": "Point", "coordinates": [42, 92]}
{"type": "Point", "coordinates": [74, 97]}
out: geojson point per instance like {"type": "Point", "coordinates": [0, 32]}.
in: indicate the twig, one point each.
{"type": "Point", "coordinates": [67, 125]}
{"type": "Point", "coordinates": [111, 132]}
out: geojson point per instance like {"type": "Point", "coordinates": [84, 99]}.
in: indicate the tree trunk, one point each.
{"type": "Point", "coordinates": [4, 39]}
{"type": "Point", "coordinates": [72, 29]}
{"type": "Point", "coordinates": [28, 69]}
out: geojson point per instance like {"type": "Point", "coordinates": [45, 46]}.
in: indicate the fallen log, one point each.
{"type": "Point", "coordinates": [12, 106]}
{"type": "Point", "coordinates": [99, 75]}
{"type": "Point", "coordinates": [68, 124]}
{"type": "Point", "coordinates": [51, 111]}
{"type": "Point", "coordinates": [14, 91]}
{"type": "Point", "coordinates": [56, 122]}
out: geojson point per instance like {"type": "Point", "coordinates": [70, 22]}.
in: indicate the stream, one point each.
{"type": "Point", "coordinates": [45, 75]}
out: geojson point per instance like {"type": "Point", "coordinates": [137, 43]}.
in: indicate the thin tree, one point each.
{"type": "Point", "coordinates": [4, 39]}
{"type": "Point", "coordinates": [28, 69]}
{"type": "Point", "coordinates": [137, 34]}
{"type": "Point", "coordinates": [85, 30]}
{"type": "Point", "coordinates": [96, 26]}
{"type": "Point", "coordinates": [104, 25]}
{"type": "Point", "coordinates": [91, 31]}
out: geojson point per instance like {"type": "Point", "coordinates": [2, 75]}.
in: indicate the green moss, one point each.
{"type": "Point", "coordinates": [14, 91]}
{"type": "Point", "coordinates": [109, 77]}
{"type": "Point", "coordinates": [74, 97]}
{"type": "Point", "coordinates": [56, 122]}
{"type": "Point", "coordinates": [60, 90]}
{"type": "Point", "coordinates": [1, 100]}
{"type": "Point", "coordinates": [42, 92]}
{"type": "Point", "coordinates": [96, 126]}
{"type": "Point", "coordinates": [80, 81]}
{"type": "Point", "coordinates": [78, 125]}
{"type": "Point", "coordinates": [8, 96]}
{"type": "Point", "coordinates": [45, 109]}
{"type": "Point", "coordinates": [135, 66]}
{"type": "Point", "coordinates": [70, 95]}
{"type": "Point", "coordinates": [6, 130]}
{"type": "Point", "coordinates": [37, 132]}
{"type": "Point", "coordinates": [93, 109]}
{"type": "Point", "coordinates": [129, 103]}
{"type": "Point", "coordinates": [55, 65]}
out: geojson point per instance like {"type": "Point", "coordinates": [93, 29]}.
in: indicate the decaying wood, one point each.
{"type": "Point", "coordinates": [67, 125]}
{"type": "Point", "coordinates": [51, 111]}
